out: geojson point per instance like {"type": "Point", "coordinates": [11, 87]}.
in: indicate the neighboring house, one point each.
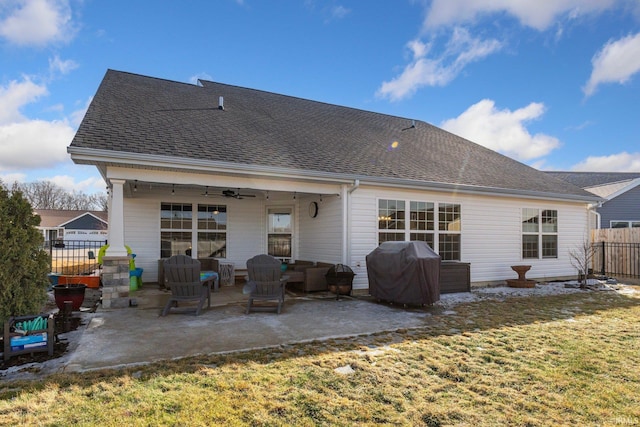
{"type": "Point", "coordinates": [221, 170]}
{"type": "Point", "coordinates": [57, 225]}
{"type": "Point", "coordinates": [620, 192]}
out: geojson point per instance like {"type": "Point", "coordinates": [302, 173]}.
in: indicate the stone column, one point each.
{"type": "Point", "coordinates": [115, 282]}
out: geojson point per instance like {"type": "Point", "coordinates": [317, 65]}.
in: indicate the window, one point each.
{"type": "Point", "coordinates": [175, 229]}
{"type": "Point", "coordinates": [391, 217]}
{"type": "Point", "coordinates": [212, 231]}
{"type": "Point", "coordinates": [539, 233]}
{"type": "Point", "coordinates": [280, 232]}
{"type": "Point", "coordinates": [421, 225]}
{"type": "Point", "coordinates": [421, 222]}
{"type": "Point", "coordinates": [449, 224]}
{"type": "Point", "coordinates": [624, 224]}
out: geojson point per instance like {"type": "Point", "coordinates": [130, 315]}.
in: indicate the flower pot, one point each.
{"type": "Point", "coordinates": [73, 292]}
{"type": "Point", "coordinates": [89, 281]}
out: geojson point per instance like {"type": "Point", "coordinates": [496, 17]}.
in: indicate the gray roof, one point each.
{"type": "Point", "coordinates": [59, 217]}
{"type": "Point", "coordinates": [593, 179]}
{"type": "Point", "coordinates": [149, 116]}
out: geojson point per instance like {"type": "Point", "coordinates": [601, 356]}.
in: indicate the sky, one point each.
{"type": "Point", "coordinates": [552, 84]}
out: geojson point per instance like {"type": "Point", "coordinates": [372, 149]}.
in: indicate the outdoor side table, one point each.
{"type": "Point", "coordinates": [227, 273]}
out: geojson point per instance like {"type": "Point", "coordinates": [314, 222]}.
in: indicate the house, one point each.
{"type": "Point", "coordinates": [231, 172]}
{"type": "Point", "coordinates": [620, 192]}
{"type": "Point", "coordinates": [57, 225]}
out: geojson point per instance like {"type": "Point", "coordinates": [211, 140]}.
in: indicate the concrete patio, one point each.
{"type": "Point", "coordinates": [110, 338]}
{"type": "Point", "coordinates": [137, 335]}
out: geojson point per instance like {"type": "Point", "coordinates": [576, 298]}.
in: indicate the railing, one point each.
{"type": "Point", "coordinates": [73, 257]}
{"type": "Point", "coordinates": [610, 258]}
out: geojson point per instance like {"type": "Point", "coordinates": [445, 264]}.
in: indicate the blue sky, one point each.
{"type": "Point", "coordinates": [553, 84]}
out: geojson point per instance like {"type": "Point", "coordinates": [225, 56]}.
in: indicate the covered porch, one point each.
{"type": "Point", "coordinates": [230, 217]}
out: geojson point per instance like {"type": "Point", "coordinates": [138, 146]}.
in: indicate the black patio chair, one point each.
{"type": "Point", "coordinates": [182, 276]}
{"type": "Point", "coordinates": [265, 283]}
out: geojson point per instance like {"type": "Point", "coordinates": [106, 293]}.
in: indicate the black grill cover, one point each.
{"type": "Point", "coordinates": [404, 272]}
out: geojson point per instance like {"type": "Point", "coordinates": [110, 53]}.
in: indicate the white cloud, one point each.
{"type": "Point", "coordinates": [20, 141]}
{"type": "Point", "coordinates": [17, 94]}
{"type": "Point", "coordinates": [621, 162]}
{"type": "Point", "coordinates": [616, 62]}
{"type": "Point", "coordinates": [535, 14]}
{"type": "Point", "coordinates": [89, 185]}
{"type": "Point", "coordinates": [339, 12]}
{"type": "Point", "coordinates": [36, 22]}
{"type": "Point", "coordinates": [57, 65]}
{"type": "Point", "coordinates": [503, 130]}
{"type": "Point", "coordinates": [460, 50]}
{"type": "Point", "coordinates": [9, 178]}
{"type": "Point", "coordinates": [20, 137]}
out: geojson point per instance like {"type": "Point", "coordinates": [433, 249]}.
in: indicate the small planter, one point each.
{"type": "Point", "coordinates": [73, 292]}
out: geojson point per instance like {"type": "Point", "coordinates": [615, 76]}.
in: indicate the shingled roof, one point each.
{"type": "Point", "coordinates": [136, 116]}
{"type": "Point", "coordinates": [594, 179]}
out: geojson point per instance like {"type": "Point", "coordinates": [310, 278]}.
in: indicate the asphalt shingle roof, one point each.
{"type": "Point", "coordinates": [150, 116]}
{"type": "Point", "coordinates": [57, 217]}
{"type": "Point", "coordinates": [593, 179]}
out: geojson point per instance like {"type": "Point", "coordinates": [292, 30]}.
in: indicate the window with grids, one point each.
{"type": "Point", "coordinates": [391, 220]}
{"type": "Point", "coordinates": [421, 225]}
{"type": "Point", "coordinates": [539, 233]}
{"type": "Point", "coordinates": [422, 221]}
{"type": "Point", "coordinates": [212, 231]}
{"type": "Point", "coordinates": [449, 227]}
{"type": "Point", "coordinates": [176, 222]}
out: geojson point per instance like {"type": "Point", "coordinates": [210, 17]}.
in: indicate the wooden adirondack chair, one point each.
{"type": "Point", "coordinates": [182, 275]}
{"type": "Point", "coordinates": [265, 283]}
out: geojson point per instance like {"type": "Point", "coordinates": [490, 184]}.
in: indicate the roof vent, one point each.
{"type": "Point", "coordinates": [221, 103]}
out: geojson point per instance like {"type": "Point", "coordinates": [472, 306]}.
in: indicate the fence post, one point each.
{"type": "Point", "coordinates": [604, 259]}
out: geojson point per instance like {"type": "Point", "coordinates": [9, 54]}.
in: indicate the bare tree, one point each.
{"type": "Point", "coordinates": [47, 195]}
{"type": "Point", "coordinates": [581, 258]}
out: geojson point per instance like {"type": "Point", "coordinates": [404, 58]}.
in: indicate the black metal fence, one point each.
{"type": "Point", "coordinates": [616, 259]}
{"type": "Point", "coordinates": [73, 257]}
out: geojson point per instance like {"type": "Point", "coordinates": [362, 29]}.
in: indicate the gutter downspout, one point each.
{"type": "Point", "coordinates": [592, 208]}
{"type": "Point", "coordinates": [346, 221]}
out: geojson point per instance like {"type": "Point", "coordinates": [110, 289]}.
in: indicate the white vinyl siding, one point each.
{"type": "Point", "coordinates": [491, 236]}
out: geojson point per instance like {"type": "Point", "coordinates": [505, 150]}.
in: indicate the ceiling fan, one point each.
{"type": "Point", "coordinates": [236, 194]}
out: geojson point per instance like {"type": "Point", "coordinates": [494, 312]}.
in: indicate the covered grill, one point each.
{"type": "Point", "coordinates": [404, 272]}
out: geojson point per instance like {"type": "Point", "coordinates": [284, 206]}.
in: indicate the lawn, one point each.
{"type": "Point", "coordinates": [549, 360]}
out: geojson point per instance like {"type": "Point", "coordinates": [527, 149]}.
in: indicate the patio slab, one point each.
{"type": "Point", "coordinates": [110, 338]}
{"type": "Point", "coordinates": [138, 335]}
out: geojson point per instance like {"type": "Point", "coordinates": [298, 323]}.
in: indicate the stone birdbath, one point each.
{"type": "Point", "coordinates": [521, 281]}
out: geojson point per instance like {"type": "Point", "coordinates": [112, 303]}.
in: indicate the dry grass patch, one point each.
{"type": "Point", "coordinates": [562, 360]}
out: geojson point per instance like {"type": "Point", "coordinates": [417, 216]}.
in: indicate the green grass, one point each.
{"type": "Point", "coordinates": [561, 360]}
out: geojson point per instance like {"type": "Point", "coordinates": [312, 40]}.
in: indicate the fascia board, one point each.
{"type": "Point", "coordinates": [633, 184]}
{"type": "Point", "coordinates": [158, 161]}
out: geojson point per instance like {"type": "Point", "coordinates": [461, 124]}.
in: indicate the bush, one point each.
{"type": "Point", "coordinates": [24, 265]}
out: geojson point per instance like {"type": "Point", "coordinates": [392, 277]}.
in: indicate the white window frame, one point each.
{"type": "Point", "coordinates": [290, 209]}
{"type": "Point", "coordinates": [435, 231]}
{"type": "Point", "coordinates": [540, 232]}
{"type": "Point", "coordinates": [630, 224]}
